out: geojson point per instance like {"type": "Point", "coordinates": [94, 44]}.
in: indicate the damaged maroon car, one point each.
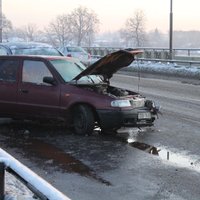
{"type": "Point", "coordinates": [61, 88]}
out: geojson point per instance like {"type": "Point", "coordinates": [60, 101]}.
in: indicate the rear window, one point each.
{"type": "Point", "coordinates": [8, 70]}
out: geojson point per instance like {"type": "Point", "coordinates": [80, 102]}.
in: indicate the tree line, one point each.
{"type": "Point", "coordinates": [78, 27]}
{"type": "Point", "coordinates": [81, 26]}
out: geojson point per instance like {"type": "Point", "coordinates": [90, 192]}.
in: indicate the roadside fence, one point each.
{"type": "Point", "coordinates": [179, 55]}
{"type": "Point", "coordinates": [42, 189]}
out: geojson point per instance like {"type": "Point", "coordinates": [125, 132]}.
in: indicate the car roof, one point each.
{"type": "Point", "coordinates": [45, 57]}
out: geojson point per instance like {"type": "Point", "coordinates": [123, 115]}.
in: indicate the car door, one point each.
{"type": "Point", "coordinates": [8, 86]}
{"type": "Point", "coordinates": [36, 98]}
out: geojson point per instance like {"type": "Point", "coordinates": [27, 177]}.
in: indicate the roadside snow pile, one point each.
{"type": "Point", "coordinates": [165, 68]}
{"type": "Point", "coordinates": [15, 190]}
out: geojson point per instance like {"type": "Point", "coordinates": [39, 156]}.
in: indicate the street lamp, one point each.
{"type": "Point", "coordinates": [171, 31]}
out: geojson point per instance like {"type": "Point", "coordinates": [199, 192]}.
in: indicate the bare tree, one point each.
{"type": "Point", "coordinates": [77, 27]}
{"type": "Point", "coordinates": [28, 32]}
{"type": "Point", "coordinates": [59, 31]}
{"type": "Point", "coordinates": [134, 30]}
{"type": "Point", "coordinates": [6, 27]}
{"type": "Point", "coordinates": [84, 24]}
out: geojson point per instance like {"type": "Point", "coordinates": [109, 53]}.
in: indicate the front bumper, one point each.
{"type": "Point", "coordinates": [111, 119]}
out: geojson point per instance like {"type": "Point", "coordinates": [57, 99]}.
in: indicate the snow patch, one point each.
{"type": "Point", "coordinates": [166, 68]}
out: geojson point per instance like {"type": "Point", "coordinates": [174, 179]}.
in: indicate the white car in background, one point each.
{"type": "Point", "coordinates": [76, 52]}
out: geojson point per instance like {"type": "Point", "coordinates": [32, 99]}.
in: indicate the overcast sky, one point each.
{"type": "Point", "coordinates": [111, 13]}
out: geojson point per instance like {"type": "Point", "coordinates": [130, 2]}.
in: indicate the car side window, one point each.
{"type": "Point", "coordinates": [34, 71]}
{"type": "Point", "coordinates": [8, 70]}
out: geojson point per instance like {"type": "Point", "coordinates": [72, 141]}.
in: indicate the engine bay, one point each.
{"type": "Point", "coordinates": [106, 89]}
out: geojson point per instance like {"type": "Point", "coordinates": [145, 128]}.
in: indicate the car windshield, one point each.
{"type": "Point", "coordinates": [70, 69]}
{"type": "Point", "coordinates": [36, 51]}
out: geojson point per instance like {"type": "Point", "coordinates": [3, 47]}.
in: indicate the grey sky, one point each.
{"type": "Point", "coordinates": [112, 13]}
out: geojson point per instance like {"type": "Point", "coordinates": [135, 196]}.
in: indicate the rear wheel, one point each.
{"type": "Point", "coordinates": [83, 120]}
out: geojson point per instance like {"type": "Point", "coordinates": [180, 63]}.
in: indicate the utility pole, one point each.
{"type": "Point", "coordinates": [171, 31]}
{"type": "Point", "coordinates": [1, 15]}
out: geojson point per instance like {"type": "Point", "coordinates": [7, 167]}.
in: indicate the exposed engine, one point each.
{"type": "Point", "coordinates": [108, 90]}
{"type": "Point", "coordinates": [135, 99]}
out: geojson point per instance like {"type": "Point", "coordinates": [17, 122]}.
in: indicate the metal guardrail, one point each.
{"type": "Point", "coordinates": [32, 181]}
{"type": "Point", "coordinates": [189, 57]}
{"type": "Point", "coordinates": [188, 62]}
{"type": "Point", "coordinates": [149, 52]}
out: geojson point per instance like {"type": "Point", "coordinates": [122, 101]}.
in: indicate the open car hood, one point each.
{"type": "Point", "coordinates": [110, 64]}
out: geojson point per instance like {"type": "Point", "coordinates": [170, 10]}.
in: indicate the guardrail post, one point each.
{"type": "Point", "coordinates": [2, 180]}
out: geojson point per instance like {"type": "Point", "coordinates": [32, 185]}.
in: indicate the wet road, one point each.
{"type": "Point", "coordinates": [126, 166]}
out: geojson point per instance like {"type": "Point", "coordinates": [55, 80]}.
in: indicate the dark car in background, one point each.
{"type": "Point", "coordinates": [61, 88]}
{"type": "Point", "coordinates": [28, 48]}
{"type": "Point", "coordinates": [77, 52]}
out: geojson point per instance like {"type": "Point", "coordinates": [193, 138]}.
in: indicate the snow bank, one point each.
{"type": "Point", "coordinates": [166, 68]}
{"type": "Point", "coordinates": [15, 190]}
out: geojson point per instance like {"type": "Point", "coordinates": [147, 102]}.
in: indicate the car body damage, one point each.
{"type": "Point", "coordinates": [130, 108]}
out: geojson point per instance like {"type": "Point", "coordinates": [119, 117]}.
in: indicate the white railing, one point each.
{"type": "Point", "coordinates": [32, 181]}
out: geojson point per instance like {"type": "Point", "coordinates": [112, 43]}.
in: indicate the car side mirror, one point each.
{"type": "Point", "coordinates": [49, 80]}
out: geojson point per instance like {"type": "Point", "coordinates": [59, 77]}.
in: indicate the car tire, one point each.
{"type": "Point", "coordinates": [83, 120]}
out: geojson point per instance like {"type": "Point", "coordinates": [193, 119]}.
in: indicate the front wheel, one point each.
{"type": "Point", "coordinates": [83, 120]}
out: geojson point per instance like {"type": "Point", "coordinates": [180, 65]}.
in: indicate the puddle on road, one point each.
{"type": "Point", "coordinates": [144, 147]}
{"type": "Point", "coordinates": [173, 156]}
{"type": "Point", "coordinates": [48, 154]}
{"type": "Point", "coordinates": [64, 160]}
{"type": "Point", "coordinates": [180, 159]}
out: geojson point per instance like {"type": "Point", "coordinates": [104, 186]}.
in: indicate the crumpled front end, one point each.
{"type": "Point", "coordinates": [142, 113]}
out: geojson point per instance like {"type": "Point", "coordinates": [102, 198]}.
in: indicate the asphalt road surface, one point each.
{"type": "Point", "coordinates": [162, 162]}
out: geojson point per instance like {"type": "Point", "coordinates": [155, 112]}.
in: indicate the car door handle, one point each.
{"type": "Point", "coordinates": [23, 91]}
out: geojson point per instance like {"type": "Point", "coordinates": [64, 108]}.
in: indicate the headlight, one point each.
{"type": "Point", "coordinates": [120, 103]}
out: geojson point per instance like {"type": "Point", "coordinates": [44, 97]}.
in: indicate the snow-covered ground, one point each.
{"type": "Point", "coordinates": [15, 190]}
{"type": "Point", "coordinates": [189, 71]}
